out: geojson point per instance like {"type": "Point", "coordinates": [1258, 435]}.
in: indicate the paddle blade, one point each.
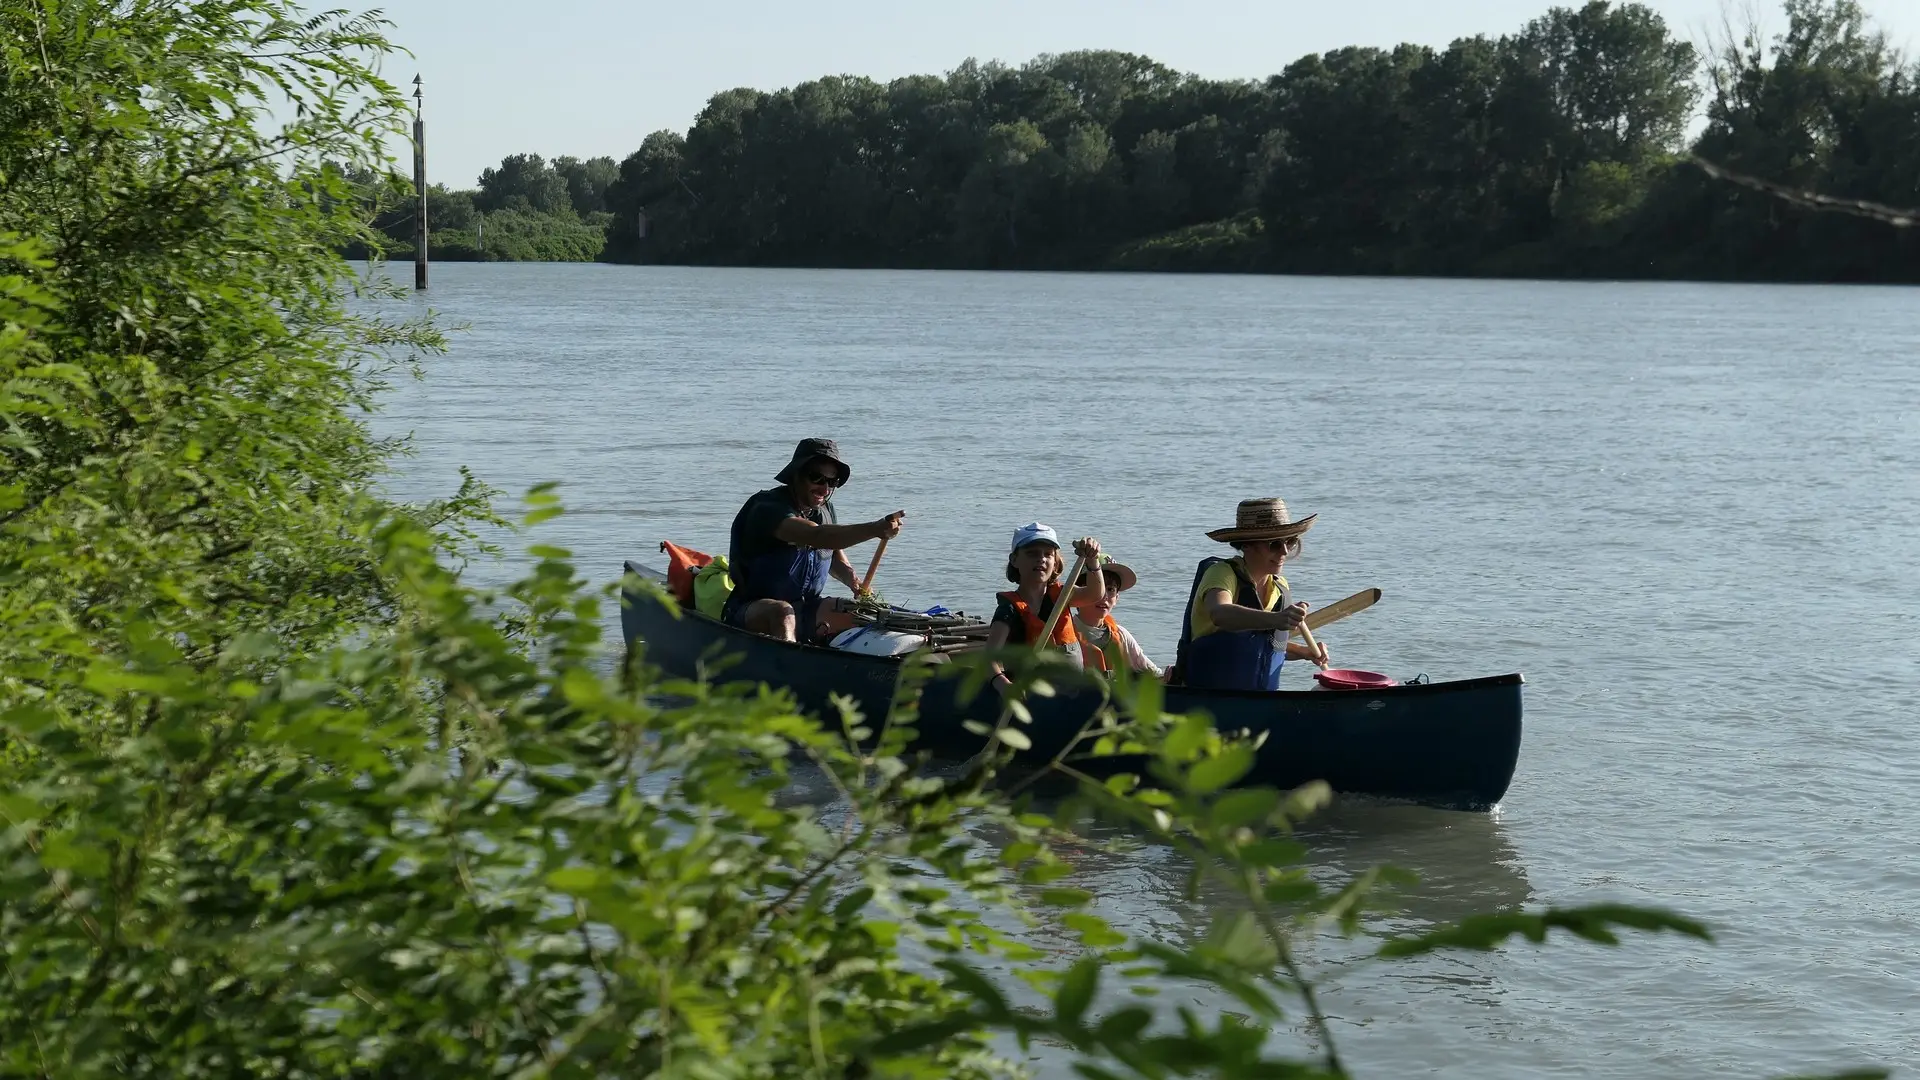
{"type": "Point", "coordinates": [1340, 609]}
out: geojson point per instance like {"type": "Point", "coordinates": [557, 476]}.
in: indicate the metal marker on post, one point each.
{"type": "Point", "coordinates": [419, 187]}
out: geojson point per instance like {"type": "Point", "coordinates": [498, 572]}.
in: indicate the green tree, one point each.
{"type": "Point", "coordinates": [931, 139]}
{"type": "Point", "coordinates": [1103, 83]}
{"type": "Point", "coordinates": [195, 455]}
{"type": "Point", "coordinates": [1623, 86]}
{"type": "Point", "coordinates": [717, 162]}
{"type": "Point", "coordinates": [1340, 196]}
{"type": "Point", "coordinates": [650, 190]}
{"type": "Point", "coordinates": [587, 182]}
{"type": "Point", "coordinates": [1158, 197]}
{"type": "Point", "coordinates": [1826, 106]}
{"type": "Point", "coordinates": [998, 193]}
{"type": "Point", "coordinates": [1552, 150]}
{"type": "Point", "coordinates": [523, 182]}
{"type": "Point", "coordinates": [450, 209]}
{"type": "Point", "coordinates": [1467, 161]}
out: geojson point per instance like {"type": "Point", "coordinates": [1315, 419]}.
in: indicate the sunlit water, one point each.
{"type": "Point", "coordinates": [1688, 513]}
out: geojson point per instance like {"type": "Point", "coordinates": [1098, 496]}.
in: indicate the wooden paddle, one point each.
{"type": "Point", "coordinates": [866, 583]}
{"type": "Point", "coordinates": [1311, 644]}
{"type": "Point", "coordinates": [1066, 593]}
{"type": "Point", "coordinates": [1340, 609]}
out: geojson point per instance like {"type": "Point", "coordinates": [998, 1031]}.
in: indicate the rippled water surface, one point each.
{"type": "Point", "coordinates": [1690, 514]}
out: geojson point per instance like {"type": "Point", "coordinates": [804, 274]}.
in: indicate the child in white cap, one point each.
{"type": "Point", "coordinates": [1034, 566]}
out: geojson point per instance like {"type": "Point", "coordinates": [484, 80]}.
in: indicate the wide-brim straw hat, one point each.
{"type": "Point", "coordinates": [1262, 519]}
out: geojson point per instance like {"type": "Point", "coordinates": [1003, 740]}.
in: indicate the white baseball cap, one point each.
{"type": "Point", "coordinates": [1034, 533]}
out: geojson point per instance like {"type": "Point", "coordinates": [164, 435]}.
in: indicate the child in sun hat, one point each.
{"type": "Point", "coordinates": [1104, 644]}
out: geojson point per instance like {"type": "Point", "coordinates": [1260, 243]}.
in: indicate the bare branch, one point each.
{"type": "Point", "coordinates": [1901, 219]}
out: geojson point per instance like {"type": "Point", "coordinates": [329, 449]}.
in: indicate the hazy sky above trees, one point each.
{"type": "Point", "coordinates": [593, 77]}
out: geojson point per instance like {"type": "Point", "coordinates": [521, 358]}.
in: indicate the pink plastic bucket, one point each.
{"type": "Point", "coordinates": [1352, 679]}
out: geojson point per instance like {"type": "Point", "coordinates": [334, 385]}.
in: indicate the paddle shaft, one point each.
{"type": "Point", "coordinates": [1311, 644]}
{"type": "Point", "coordinates": [1066, 594]}
{"type": "Point", "coordinates": [866, 583]}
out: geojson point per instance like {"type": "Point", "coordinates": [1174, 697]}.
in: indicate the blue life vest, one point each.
{"type": "Point", "coordinates": [1230, 660]}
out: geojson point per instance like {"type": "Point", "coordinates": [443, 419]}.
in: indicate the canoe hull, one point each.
{"type": "Point", "coordinates": [1452, 744]}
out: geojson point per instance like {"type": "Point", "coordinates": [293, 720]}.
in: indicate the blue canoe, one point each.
{"type": "Point", "coordinates": [1448, 744]}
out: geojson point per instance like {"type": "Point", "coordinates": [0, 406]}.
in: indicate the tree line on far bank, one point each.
{"type": "Point", "coordinates": [526, 210]}
{"type": "Point", "coordinates": [1558, 150]}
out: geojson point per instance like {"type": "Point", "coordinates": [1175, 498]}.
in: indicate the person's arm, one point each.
{"type": "Point", "coordinates": [1298, 650]}
{"type": "Point", "coordinates": [1231, 617]}
{"type": "Point", "coordinates": [842, 572]}
{"type": "Point", "coordinates": [800, 532]}
{"type": "Point", "coordinates": [997, 634]}
{"type": "Point", "coordinates": [1095, 590]}
{"type": "Point", "coordinates": [1137, 657]}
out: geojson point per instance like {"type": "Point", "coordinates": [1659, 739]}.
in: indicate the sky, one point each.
{"type": "Point", "coordinates": [593, 77]}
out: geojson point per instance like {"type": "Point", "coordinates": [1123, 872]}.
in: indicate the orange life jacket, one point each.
{"type": "Point", "coordinates": [1096, 658]}
{"type": "Point", "coordinates": [1063, 633]}
{"type": "Point", "coordinates": [681, 563]}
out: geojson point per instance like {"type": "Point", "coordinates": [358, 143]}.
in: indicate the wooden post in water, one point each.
{"type": "Point", "coordinates": [419, 187]}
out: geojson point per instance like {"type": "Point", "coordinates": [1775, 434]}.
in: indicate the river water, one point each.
{"type": "Point", "coordinates": [1688, 513]}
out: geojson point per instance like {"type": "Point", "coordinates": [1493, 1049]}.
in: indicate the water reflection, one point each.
{"type": "Point", "coordinates": [1465, 864]}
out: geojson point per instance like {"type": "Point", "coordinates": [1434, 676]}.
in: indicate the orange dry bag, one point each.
{"type": "Point", "coordinates": [681, 563]}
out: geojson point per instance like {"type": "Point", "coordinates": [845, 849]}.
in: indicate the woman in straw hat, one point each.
{"type": "Point", "coordinates": [1233, 635]}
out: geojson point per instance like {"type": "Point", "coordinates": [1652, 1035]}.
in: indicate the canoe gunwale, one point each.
{"type": "Point", "coordinates": [862, 660]}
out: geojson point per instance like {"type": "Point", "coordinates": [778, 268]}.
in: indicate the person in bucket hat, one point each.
{"type": "Point", "coordinates": [787, 540]}
{"type": "Point", "coordinates": [1233, 634]}
{"type": "Point", "coordinates": [1034, 566]}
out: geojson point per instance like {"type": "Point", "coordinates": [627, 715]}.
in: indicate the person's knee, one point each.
{"type": "Point", "coordinates": [771, 617]}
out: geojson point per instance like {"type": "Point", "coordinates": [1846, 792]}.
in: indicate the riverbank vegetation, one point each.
{"type": "Point", "coordinates": [1557, 150]}
{"type": "Point", "coordinates": [282, 794]}
{"type": "Point", "coordinates": [1560, 149]}
{"type": "Point", "coordinates": [526, 210]}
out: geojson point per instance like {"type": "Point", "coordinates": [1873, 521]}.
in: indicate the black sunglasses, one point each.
{"type": "Point", "coordinates": [833, 480]}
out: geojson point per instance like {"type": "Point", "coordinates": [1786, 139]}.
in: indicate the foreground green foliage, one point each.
{"type": "Point", "coordinates": [281, 795]}
{"type": "Point", "coordinates": [182, 454]}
